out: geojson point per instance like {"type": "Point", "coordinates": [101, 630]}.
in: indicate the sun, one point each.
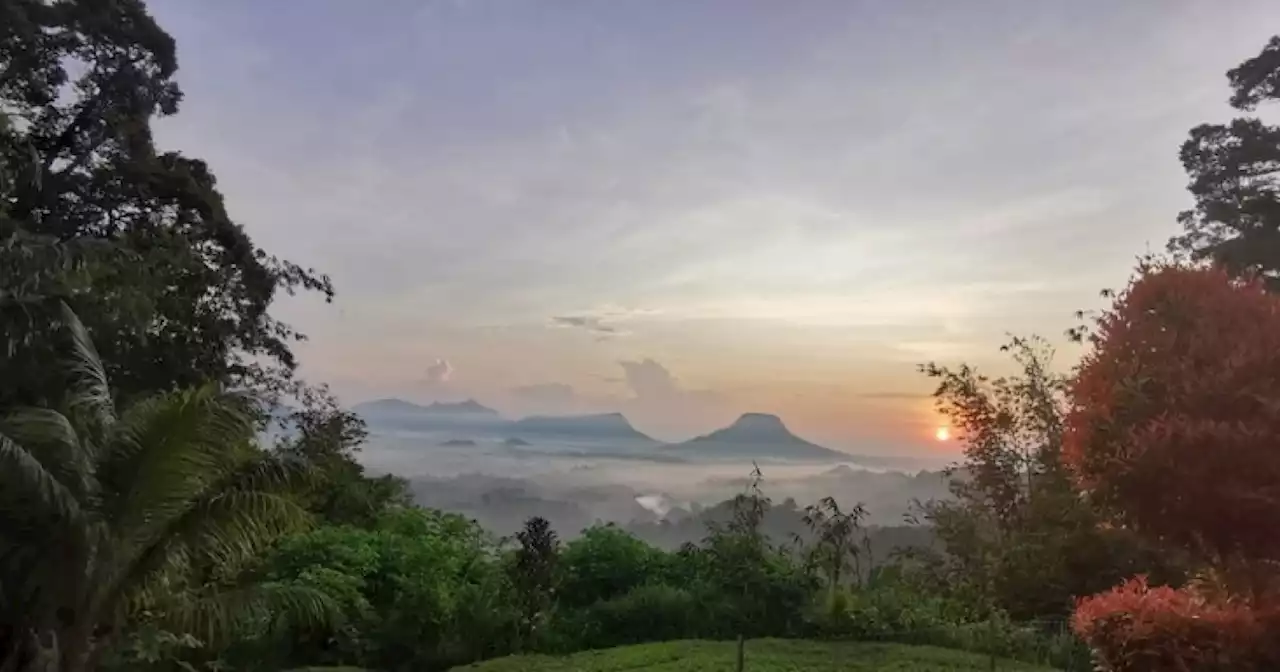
{"type": "Point", "coordinates": [943, 434]}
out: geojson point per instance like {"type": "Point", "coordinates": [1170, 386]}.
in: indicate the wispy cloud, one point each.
{"type": "Point", "coordinates": [590, 323]}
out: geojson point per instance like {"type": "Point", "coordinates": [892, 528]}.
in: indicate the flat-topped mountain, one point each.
{"type": "Point", "coordinates": [468, 415]}
{"type": "Point", "coordinates": [610, 426]}
{"type": "Point", "coordinates": [756, 435]}
{"type": "Point", "coordinates": [400, 406]}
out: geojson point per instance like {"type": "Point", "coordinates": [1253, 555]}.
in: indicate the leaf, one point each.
{"type": "Point", "coordinates": [30, 483]}
{"type": "Point", "coordinates": [264, 609]}
{"type": "Point", "coordinates": [53, 441]}
{"type": "Point", "coordinates": [90, 393]}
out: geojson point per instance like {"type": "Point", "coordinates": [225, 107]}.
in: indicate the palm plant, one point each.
{"type": "Point", "coordinates": [150, 512]}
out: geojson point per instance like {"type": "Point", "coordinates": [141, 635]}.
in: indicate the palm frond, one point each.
{"type": "Point", "coordinates": [322, 668]}
{"type": "Point", "coordinates": [234, 526]}
{"type": "Point", "coordinates": [166, 453]}
{"type": "Point", "coordinates": [271, 473]}
{"type": "Point", "coordinates": [90, 392]}
{"type": "Point", "coordinates": [226, 529]}
{"type": "Point", "coordinates": [50, 438]}
{"type": "Point", "coordinates": [25, 481]}
{"type": "Point", "coordinates": [264, 609]}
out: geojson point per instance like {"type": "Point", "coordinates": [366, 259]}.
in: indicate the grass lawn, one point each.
{"type": "Point", "coordinates": [762, 655]}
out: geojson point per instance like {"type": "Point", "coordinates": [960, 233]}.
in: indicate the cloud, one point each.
{"type": "Point", "coordinates": [591, 323]}
{"type": "Point", "coordinates": [654, 400]}
{"type": "Point", "coordinates": [553, 398]}
{"type": "Point", "coordinates": [602, 322]}
{"type": "Point", "coordinates": [660, 402]}
{"type": "Point", "coordinates": [439, 372]}
{"type": "Point", "coordinates": [650, 380]}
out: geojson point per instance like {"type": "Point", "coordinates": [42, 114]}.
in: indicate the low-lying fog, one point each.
{"type": "Point", "coordinates": [501, 484]}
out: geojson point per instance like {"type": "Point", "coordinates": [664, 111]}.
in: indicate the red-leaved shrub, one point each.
{"type": "Point", "coordinates": [1174, 424]}
{"type": "Point", "coordinates": [1139, 628]}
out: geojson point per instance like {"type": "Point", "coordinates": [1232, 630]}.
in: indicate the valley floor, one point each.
{"type": "Point", "coordinates": [764, 655]}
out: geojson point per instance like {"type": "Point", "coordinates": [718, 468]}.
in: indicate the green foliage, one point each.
{"type": "Point", "coordinates": [1018, 536]}
{"type": "Point", "coordinates": [110, 515]}
{"type": "Point", "coordinates": [184, 301]}
{"type": "Point", "coordinates": [533, 572]}
{"type": "Point", "coordinates": [888, 609]}
{"type": "Point", "coordinates": [1234, 170]}
{"type": "Point", "coordinates": [151, 648]}
{"type": "Point", "coordinates": [755, 587]}
{"type": "Point", "coordinates": [420, 590]}
{"type": "Point", "coordinates": [647, 613]}
{"type": "Point", "coordinates": [607, 562]}
{"type": "Point", "coordinates": [840, 545]}
{"type": "Point", "coordinates": [326, 438]}
{"type": "Point", "coordinates": [765, 655]}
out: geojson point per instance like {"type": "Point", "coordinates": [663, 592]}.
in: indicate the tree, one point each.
{"type": "Point", "coordinates": [840, 541]}
{"type": "Point", "coordinates": [753, 583]}
{"type": "Point", "coordinates": [1235, 179]}
{"type": "Point", "coordinates": [186, 303]}
{"type": "Point", "coordinates": [1016, 533]}
{"type": "Point", "coordinates": [325, 437]}
{"type": "Point", "coordinates": [1174, 416]}
{"type": "Point", "coordinates": [106, 516]}
{"type": "Point", "coordinates": [605, 563]}
{"type": "Point", "coordinates": [419, 589]}
{"type": "Point", "coordinates": [534, 573]}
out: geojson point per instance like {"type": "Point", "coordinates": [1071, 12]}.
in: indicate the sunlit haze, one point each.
{"type": "Point", "coordinates": [688, 210]}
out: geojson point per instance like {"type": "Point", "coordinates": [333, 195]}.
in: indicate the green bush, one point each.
{"type": "Point", "coordinates": [645, 614]}
{"type": "Point", "coordinates": [607, 562]}
{"type": "Point", "coordinates": [420, 589]}
{"type": "Point", "coordinates": [896, 612]}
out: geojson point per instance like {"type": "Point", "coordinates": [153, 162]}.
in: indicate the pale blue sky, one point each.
{"type": "Point", "coordinates": [689, 209]}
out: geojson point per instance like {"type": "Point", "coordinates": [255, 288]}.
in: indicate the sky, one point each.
{"type": "Point", "coordinates": [688, 209]}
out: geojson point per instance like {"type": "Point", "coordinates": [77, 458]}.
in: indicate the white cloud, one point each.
{"type": "Point", "coordinates": [439, 372]}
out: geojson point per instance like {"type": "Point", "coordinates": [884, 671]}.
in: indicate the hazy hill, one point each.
{"type": "Point", "coordinates": [401, 414]}
{"type": "Point", "coordinates": [470, 407]}
{"type": "Point", "coordinates": [755, 436]}
{"type": "Point", "coordinates": [597, 427]}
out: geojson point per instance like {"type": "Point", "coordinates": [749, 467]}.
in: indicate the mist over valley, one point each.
{"type": "Point", "coordinates": [577, 471]}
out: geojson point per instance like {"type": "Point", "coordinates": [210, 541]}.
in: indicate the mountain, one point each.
{"type": "Point", "coordinates": [402, 414]}
{"type": "Point", "coordinates": [389, 406]}
{"type": "Point", "coordinates": [601, 426]}
{"type": "Point", "coordinates": [756, 435]}
{"type": "Point", "coordinates": [468, 407]}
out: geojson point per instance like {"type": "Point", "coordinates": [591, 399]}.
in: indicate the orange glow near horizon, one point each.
{"type": "Point", "coordinates": [943, 434]}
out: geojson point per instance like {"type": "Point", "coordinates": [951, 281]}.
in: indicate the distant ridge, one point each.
{"type": "Point", "coordinates": [468, 407]}
{"type": "Point", "coordinates": [757, 435]}
{"type": "Point", "coordinates": [612, 426]}
{"type": "Point", "coordinates": [400, 406]}
{"type": "Point", "coordinates": [461, 417]}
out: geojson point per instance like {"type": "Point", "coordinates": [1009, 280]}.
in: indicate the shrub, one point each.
{"type": "Point", "coordinates": [1140, 627]}
{"type": "Point", "coordinates": [1174, 416]}
{"type": "Point", "coordinates": [899, 613]}
{"type": "Point", "coordinates": [648, 613]}
{"type": "Point", "coordinates": [604, 563]}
